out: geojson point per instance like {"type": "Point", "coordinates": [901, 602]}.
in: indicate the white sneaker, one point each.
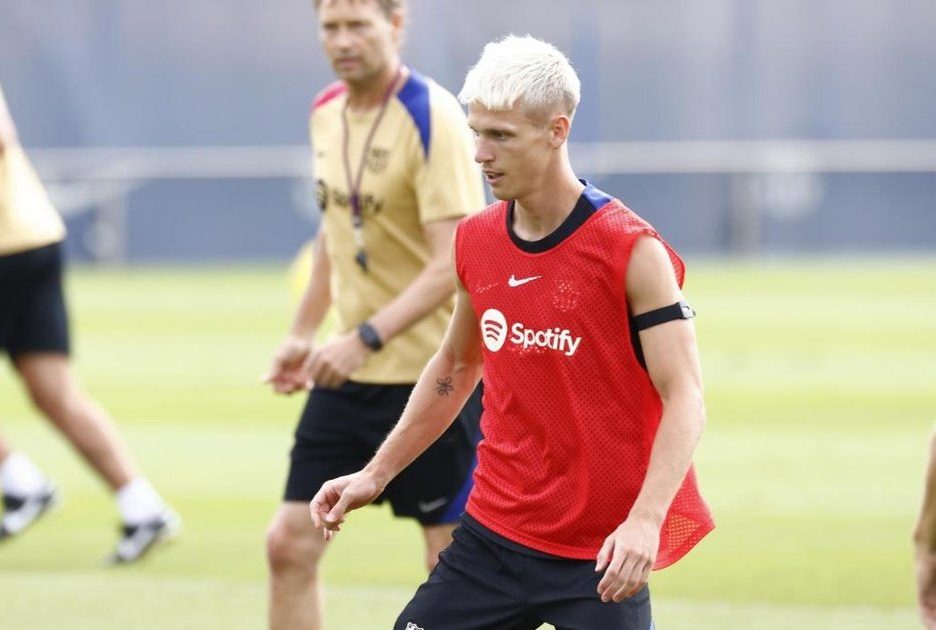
{"type": "Point", "coordinates": [136, 540]}
{"type": "Point", "coordinates": [19, 512]}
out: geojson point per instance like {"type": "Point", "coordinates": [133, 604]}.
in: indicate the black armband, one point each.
{"type": "Point", "coordinates": [679, 310]}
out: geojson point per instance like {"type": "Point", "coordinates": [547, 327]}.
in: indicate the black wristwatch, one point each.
{"type": "Point", "coordinates": [369, 336]}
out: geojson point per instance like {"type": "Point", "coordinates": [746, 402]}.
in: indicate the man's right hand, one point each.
{"type": "Point", "coordinates": [287, 373]}
{"type": "Point", "coordinates": [338, 497]}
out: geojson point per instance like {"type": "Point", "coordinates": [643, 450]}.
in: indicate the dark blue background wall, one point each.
{"type": "Point", "coordinates": [87, 73]}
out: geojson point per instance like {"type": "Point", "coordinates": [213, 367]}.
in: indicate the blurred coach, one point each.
{"type": "Point", "coordinates": [394, 169]}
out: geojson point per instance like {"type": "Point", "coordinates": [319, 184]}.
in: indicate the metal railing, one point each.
{"type": "Point", "coordinates": [784, 172]}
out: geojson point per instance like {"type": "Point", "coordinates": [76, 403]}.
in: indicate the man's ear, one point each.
{"type": "Point", "coordinates": [559, 128]}
{"type": "Point", "coordinates": [398, 21]}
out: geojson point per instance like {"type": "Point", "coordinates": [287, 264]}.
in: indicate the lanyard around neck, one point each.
{"type": "Point", "coordinates": [354, 182]}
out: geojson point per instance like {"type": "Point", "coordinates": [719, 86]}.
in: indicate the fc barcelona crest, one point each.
{"type": "Point", "coordinates": [378, 159]}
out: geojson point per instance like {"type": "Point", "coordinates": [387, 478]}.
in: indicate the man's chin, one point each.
{"type": "Point", "coordinates": [354, 75]}
{"type": "Point", "coordinates": [500, 193]}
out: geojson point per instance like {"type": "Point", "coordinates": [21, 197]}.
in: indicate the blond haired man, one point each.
{"type": "Point", "coordinates": [584, 480]}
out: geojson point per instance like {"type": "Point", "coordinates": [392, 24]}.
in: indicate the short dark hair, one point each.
{"type": "Point", "coordinates": [389, 7]}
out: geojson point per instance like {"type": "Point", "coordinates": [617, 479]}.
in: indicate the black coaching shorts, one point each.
{"type": "Point", "coordinates": [32, 307]}
{"type": "Point", "coordinates": [480, 584]}
{"type": "Point", "coordinates": [341, 429]}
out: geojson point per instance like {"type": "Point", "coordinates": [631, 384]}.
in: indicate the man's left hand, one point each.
{"type": "Point", "coordinates": [331, 364]}
{"type": "Point", "coordinates": [626, 557]}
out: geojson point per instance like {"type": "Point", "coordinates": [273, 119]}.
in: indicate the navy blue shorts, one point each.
{"type": "Point", "coordinates": [341, 429]}
{"type": "Point", "coordinates": [32, 308]}
{"type": "Point", "coordinates": [481, 585]}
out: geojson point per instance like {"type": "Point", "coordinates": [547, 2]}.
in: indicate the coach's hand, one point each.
{"type": "Point", "coordinates": [332, 364]}
{"type": "Point", "coordinates": [626, 557]}
{"type": "Point", "coordinates": [338, 497]}
{"type": "Point", "coordinates": [287, 373]}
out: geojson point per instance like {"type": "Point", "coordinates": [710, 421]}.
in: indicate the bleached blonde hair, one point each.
{"type": "Point", "coordinates": [522, 71]}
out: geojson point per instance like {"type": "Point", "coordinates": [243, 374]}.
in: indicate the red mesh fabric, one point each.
{"type": "Point", "coordinates": [569, 414]}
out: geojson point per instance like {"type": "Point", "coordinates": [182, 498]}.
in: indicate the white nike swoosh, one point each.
{"type": "Point", "coordinates": [428, 506]}
{"type": "Point", "coordinates": [514, 282]}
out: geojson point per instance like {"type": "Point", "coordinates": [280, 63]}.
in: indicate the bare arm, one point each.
{"type": "Point", "coordinates": [430, 410]}
{"type": "Point", "coordinates": [287, 372]}
{"type": "Point", "coordinates": [673, 364]}
{"type": "Point", "coordinates": [924, 538]}
{"type": "Point", "coordinates": [317, 297]}
{"type": "Point", "coordinates": [332, 364]}
{"type": "Point", "coordinates": [443, 387]}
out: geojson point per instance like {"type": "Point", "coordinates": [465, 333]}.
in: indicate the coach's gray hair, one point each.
{"type": "Point", "coordinates": [522, 71]}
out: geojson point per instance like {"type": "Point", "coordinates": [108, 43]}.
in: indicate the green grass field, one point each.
{"type": "Point", "coordinates": [821, 392]}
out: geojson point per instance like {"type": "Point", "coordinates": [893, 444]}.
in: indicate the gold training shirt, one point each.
{"type": "Point", "coordinates": [419, 169]}
{"type": "Point", "coordinates": [27, 218]}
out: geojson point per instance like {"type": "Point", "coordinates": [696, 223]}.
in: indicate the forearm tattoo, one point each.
{"type": "Point", "coordinates": [444, 386]}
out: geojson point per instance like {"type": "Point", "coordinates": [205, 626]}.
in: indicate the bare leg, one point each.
{"type": "Point", "coordinates": [437, 538]}
{"type": "Point", "coordinates": [55, 391]}
{"type": "Point", "coordinates": [294, 552]}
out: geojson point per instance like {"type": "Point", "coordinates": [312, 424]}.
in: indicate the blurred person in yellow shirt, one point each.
{"type": "Point", "coordinates": [34, 333]}
{"type": "Point", "coordinates": [394, 174]}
